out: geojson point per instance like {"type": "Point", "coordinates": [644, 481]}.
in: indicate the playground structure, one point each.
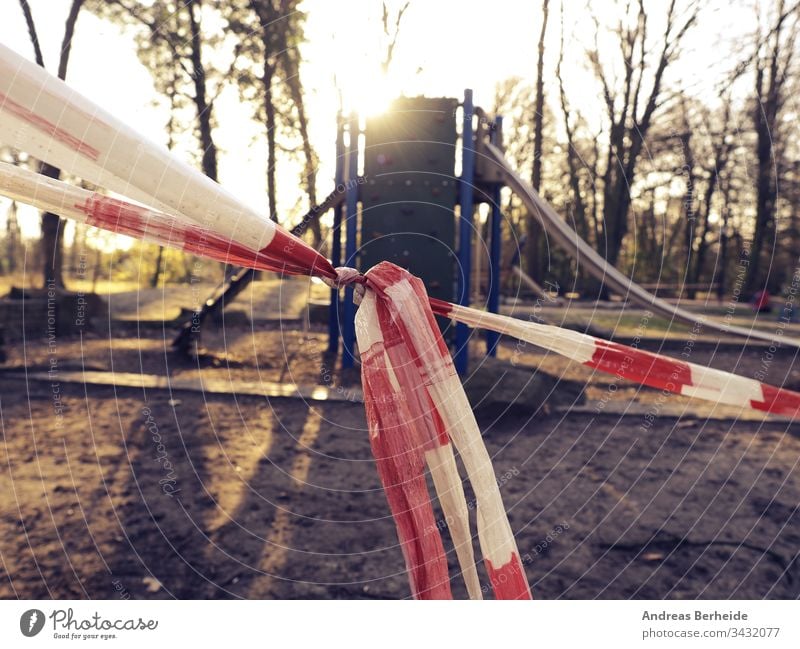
{"type": "Point", "coordinates": [398, 198]}
{"type": "Point", "coordinates": [403, 208]}
{"type": "Point", "coordinates": [409, 207]}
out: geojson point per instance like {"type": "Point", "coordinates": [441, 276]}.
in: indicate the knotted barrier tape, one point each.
{"type": "Point", "coordinates": [417, 412]}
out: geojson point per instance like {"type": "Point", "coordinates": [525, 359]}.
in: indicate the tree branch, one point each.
{"type": "Point", "coordinates": [69, 32]}
{"type": "Point", "coordinates": [387, 61]}
{"type": "Point", "coordinates": [37, 50]}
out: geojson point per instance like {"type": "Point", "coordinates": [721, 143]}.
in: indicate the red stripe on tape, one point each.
{"type": "Point", "coordinates": [508, 581]}
{"type": "Point", "coordinates": [124, 218]}
{"type": "Point", "coordinates": [47, 127]}
{"type": "Point", "coordinates": [401, 468]}
{"type": "Point", "coordinates": [287, 247]}
{"type": "Point", "coordinates": [427, 422]}
{"type": "Point", "coordinates": [778, 401]}
{"type": "Point", "coordinates": [642, 367]}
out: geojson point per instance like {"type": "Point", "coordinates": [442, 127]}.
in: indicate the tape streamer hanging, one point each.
{"type": "Point", "coordinates": [417, 411]}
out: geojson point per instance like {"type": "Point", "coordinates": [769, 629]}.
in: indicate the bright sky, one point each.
{"type": "Point", "coordinates": [444, 47]}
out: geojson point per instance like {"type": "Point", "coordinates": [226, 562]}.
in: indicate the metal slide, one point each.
{"type": "Point", "coordinates": [569, 240]}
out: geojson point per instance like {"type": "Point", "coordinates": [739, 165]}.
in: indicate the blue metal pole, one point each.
{"type": "Point", "coordinates": [465, 200]}
{"type": "Point", "coordinates": [492, 337]}
{"type": "Point", "coordinates": [336, 235]}
{"type": "Point", "coordinates": [351, 229]}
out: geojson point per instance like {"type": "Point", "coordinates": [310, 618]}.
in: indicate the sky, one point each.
{"type": "Point", "coordinates": [444, 47]}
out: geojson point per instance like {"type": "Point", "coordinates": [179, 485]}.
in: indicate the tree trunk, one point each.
{"type": "Point", "coordinates": [52, 242]}
{"type": "Point", "coordinates": [310, 168]}
{"type": "Point", "coordinates": [12, 238]}
{"type": "Point", "coordinates": [764, 235]}
{"type": "Point", "coordinates": [722, 273]}
{"type": "Point", "coordinates": [157, 269]}
{"type": "Point", "coordinates": [538, 117]}
{"type": "Point", "coordinates": [204, 109]}
{"type": "Point", "coordinates": [770, 78]}
{"type": "Point", "coordinates": [629, 125]}
{"type": "Point", "coordinates": [269, 107]}
{"type": "Point", "coordinates": [705, 223]}
{"type": "Point", "coordinates": [533, 228]}
{"type": "Point", "coordinates": [689, 211]}
{"type": "Point", "coordinates": [34, 36]}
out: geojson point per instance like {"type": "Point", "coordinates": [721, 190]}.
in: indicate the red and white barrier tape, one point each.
{"type": "Point", "coordinates": [654, 370]}
{"type": "Point", "coordinates": [135, 221]}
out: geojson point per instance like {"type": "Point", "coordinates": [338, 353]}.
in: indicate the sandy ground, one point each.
{"type": "Point", "coordinates": [125, 493]}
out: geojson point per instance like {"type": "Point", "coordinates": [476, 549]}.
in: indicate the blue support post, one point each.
{"type": "Point", "coordinates": [465, 200]}
{"type": "Point", "coordinates": [351, 229]}
{"type": "Point", "coordinates": [336, 236]}
{"type": "Point", "coordinates": [492, 337]}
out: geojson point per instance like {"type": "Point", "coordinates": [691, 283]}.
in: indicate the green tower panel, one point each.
{"type": "Point", "coordinates": [410, 191]}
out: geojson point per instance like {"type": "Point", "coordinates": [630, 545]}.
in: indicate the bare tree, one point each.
{"type": "Point", "coordinates": [574, 161]}
{"type": "Point", "coordinates": [52, 231]}
{"type": "Point", "coordinates": [391, 29]}
{"type": "Point", "coordinates": [290, 61]}
{"type": "Point", "coordinates": [533, 229]}
{"type": "Point", "coordinates": [171, 43]}
{"type": "Point", "coordinates": [721, 146]}
{"type": "Point", "coordinates": [631, 101]}
{"type": "Point", "coordinates": [201, 101]}
{"type": "Point", "coordinates": [704, 148]}
{"type": "Point", "coordinates": [772, 60]}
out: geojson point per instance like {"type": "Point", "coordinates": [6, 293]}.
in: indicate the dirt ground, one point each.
{"type": "Point", "coordinates": [111, 492]}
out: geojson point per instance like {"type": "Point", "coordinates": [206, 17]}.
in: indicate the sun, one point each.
{"type": "Point", "coordinates": [374, 97]}
{"type": "Point", "coordinates": [364, 86]}
{"type": "Point", "coordinates": [367, 94]}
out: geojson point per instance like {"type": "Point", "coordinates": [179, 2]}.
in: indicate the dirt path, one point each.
{"type": "Point", "coordinates": [152, 495]}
